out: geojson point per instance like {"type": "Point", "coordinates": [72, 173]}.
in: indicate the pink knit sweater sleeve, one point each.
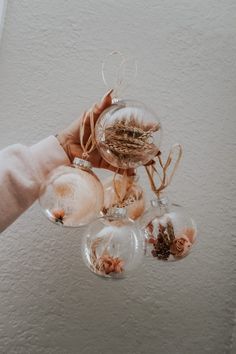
{"type": "Point", "coordinates": [22, 170]}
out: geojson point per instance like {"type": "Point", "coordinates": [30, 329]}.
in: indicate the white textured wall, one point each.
{"type": "Point", "coordinates": [2, 14]}
{"type": "Point", "coordinates": [50, 59]}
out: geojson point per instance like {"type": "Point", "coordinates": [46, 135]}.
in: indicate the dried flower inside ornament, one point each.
{"type": "Point", "coordinates": [128, 134]}
{"type": "Point", "coordinates": [105, 264]}
{"type": "Point", "coordinates": [124, 191]}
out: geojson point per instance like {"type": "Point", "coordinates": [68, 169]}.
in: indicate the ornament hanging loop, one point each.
{"type": "Point", "coordinates": [118, 72]}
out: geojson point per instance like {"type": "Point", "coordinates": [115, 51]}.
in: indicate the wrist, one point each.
{"type": "Point", "coordinates": [64, 144]}
{"type": "Point", "coordinates": [61, 139]}
{"type": "Point", "coordinates": [71, 148]}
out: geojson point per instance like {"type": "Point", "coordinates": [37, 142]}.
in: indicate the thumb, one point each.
{"type": "Point", "coordinates": [106, 101]}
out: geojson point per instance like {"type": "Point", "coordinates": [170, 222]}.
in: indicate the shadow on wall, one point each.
{"type": "Point", "coordinates": [3, 5]}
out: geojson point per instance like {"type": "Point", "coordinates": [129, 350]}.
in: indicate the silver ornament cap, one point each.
{"type": "Point", "coordinates": [117, 212]}
{"type": "Point", "coordinates": [77, 162]}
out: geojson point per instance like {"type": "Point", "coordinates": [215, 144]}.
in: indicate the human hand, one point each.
{"type": "Point", "coordinates": [69, 138]}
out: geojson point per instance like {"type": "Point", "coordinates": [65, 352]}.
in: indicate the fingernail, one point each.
{"type": "Point", "coordinates": [108, 93]}
{"type": "Point", "coordinates": [100, 106]}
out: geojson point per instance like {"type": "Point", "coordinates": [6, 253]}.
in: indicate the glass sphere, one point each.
{"type": "Point", "coordinates": [72, 195]}
{"type": "Point", "coordinates": [134, 200]}
{"type": "Point", "coordinates": [128, 134]}
{"type": "Point", "coordinates": [169, 231]}
{"type": "Point", "coordinates": [112, 245]}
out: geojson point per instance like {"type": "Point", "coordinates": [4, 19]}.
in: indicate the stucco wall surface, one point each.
{"type": "Point", "coordinates": [50, 63]}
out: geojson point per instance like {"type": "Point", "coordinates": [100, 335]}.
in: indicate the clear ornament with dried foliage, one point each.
{"type": "Point", "coordinates": [72, 195]}
{"type": "Point", "coordinates": [124, 191]}
{"type": "Point", "coordinates": [170, 232]}
{"type": "Point", "coordinates": [112, 245]}
{"type": "Point", "coordinates": [128, 134]}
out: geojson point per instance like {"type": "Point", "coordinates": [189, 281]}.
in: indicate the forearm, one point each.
{"type": "Point", "coordinates": [22, 171]}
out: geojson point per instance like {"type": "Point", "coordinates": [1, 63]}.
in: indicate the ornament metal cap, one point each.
{"type": "Point", "coordinates": [77, 162]}
{"type": "Point", "coordinates": [162, 201]}
{"type": "Point", "coordinates": [117, 212]}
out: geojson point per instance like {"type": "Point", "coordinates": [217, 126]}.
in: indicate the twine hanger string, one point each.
{"type": "Point", "coordinates": [164, 178]}
{"type": "Point", "coordinates": [91, 142]}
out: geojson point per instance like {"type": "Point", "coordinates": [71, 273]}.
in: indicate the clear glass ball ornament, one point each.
{"type": "Point", "coordinates": [128, 134]}
{"type": "Point", "coordinates": [134, 201]}
{"type": "Point", "coordinates": [72, 195]}
{"type": "Point", "coordinates": [170, 232]}
{"type": "Point", "coordinates": [112, 245]}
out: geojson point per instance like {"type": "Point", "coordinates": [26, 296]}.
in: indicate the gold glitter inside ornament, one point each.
{"type": "Point", "coordinates": [112, 245]}
{"type": "Point", "coordinates": [170, 232]}
{"type": "Point", "coordinates": [128, 134]}
{"type": "Point", "coordinates": [72, 195]}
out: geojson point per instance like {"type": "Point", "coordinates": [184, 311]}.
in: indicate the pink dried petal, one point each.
{"type": "Point", "coordinates": [190, 233]}
{"type": "Point", "coordinates": [180, 246]}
